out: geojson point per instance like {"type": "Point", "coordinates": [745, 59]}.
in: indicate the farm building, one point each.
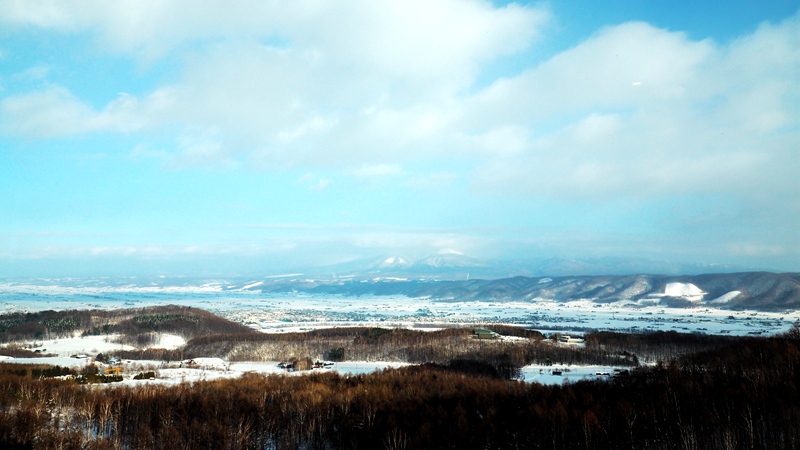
{"type": "Point", "coordinates": [483, 333]}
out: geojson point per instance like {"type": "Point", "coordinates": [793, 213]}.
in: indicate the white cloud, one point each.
{"type": "Point", "coordinates": [52, 112]}
{"type": "Point", "coordinates": [424, 38]}
{"type": "Point", "coordinates": [55, 112]}
{"type": "Point", "coordinates": [315, 183]}
{"type": "Point", "coordinates": [366, 88]}
{"type": "Point", "coordinates": [322, 84]}
{"type": "Point", "coordinates": [35, 73]}
{"type": "Point", "coordinates": [750, 249]}
{"type": "Point", "coordinates": [598, 75]}
{"type": "Point", "coordinates": [377, 171]}
{"type": "Point", "coordinates": [144, 151]}
{"type": "Point", "coordinates": [696, 124]}
{"type": "Point", "coordinates": [433, 181]}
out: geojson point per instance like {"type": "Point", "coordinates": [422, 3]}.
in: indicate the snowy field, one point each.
{"type": "Point", "coordinates": [303, 312]}
{"type": "Point", "coordinates": [93, 345]}
{"type": "Point", "coordinates": [207, 369]}
{"type": "Point", "coordinates": [559, 374]}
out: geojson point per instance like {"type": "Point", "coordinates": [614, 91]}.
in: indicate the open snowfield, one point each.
{"type": "Point", "coordinates": [306, 313]}
{"type": "Point", "coordinates": [77, 345]}
{"type": "Point", "coordinates": [203, 369]}
{"type": "Point", "coordinates": [537, 373]}
{"type": "Point", "coordinates": [208, 369]}
{"type": "Point", "coordinates": [169, 341]}
{"type": "Point", "coordinates": [302, 312]}
{"type": "Point", "coordinates": [292, 312]}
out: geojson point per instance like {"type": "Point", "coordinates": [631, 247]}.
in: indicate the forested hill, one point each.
{"type": "Point", "coordinates": [763, 291]}
{"type": "Point", "coordinates": [135, 324]}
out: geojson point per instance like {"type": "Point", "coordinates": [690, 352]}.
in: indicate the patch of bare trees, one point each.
{"type": "Point", "coordinates": [741, 395]}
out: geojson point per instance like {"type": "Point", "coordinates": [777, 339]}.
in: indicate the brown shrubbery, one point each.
{"type": "Point", "coordinates": [742, 395]}
{"type": "Point", "coordinates": [657, 345]}
{"type": "Point", "coordinates": [382, 344]}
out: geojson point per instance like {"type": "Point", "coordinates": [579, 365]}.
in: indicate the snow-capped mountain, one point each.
{"type": "Point", "coordinates": [757, 291]}
{"type": "Point", "coordinates": [447, 264]}
{"type": "Point", "coordinates": [450, 264]}
{"type": "Point", "coordinates": [393, 262]}
{"type": "Point", "coordinates": [750, 290]}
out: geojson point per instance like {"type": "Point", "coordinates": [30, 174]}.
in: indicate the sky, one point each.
{"type": "Point", "coordinates": [260, 137]}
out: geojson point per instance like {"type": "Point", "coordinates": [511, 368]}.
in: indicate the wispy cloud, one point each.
{"type": "Point", "coordinates": [315, 183]}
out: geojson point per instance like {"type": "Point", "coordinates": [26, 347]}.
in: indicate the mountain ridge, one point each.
{"type": "Point", "coordinates": [450, 264]}
{"type": "Point", "coordinates": [743, 290]}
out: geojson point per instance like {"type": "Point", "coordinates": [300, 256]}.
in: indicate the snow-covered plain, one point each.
{"type": "Point", "coordinates": [289, 312]}
{"type": "Point", "coordinates": [208, 369]}
{"type": "Point", "coordinates": [302, 312]}
{"type": "Point", "coordinates": [536, 373]}
{"type": "Point", "coordinates": [202, 369]}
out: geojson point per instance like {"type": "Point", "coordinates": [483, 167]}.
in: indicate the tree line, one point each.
{"type": "Point", "coordinates": [742, 395]}
{"type": "Point", "coordinates": [412, 346]}
{"type": "Point", "coordinates": [137, 326]}
{"type": "Point", "coordinates": [654, 346]}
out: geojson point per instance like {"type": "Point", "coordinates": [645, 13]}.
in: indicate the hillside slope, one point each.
{"type": "Point", "coordinates": [135, 324]}
{"type": "Point", "coordinates": [762, 291]}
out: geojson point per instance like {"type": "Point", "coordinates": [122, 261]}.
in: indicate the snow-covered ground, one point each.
{"type": "Point", "coordinates": [207, 369]}
{"type": "Point", "coordinates": [293, 312]}
{"type": "Point", "coordinates": [203, 368]}
{"type": "Point", "coordinates": [300, 312]}
{"type": "Point", "coordinates": [725, 298]}
{"type": "Point", "coordinates": [684, 290]}
{"type": "Point", "coordinates": [198, 369]}
{"type": "Point", "coordinates": [558, 374]}
{"type": "Point", "coordinates": [170, 341]}
{"type": "Point", "coordinates": [303, 314]}
{"type": "Point", "coordinates": [77, 345]}
{"type": "Point", "coordinates": [63, 361]}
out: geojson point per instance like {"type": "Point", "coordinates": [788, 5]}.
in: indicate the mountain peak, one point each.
{"type": "Point", "coordinates": [392, 262]}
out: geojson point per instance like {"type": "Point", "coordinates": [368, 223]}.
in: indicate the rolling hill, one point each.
{"type": "Point", "coordinates": [762, 291]}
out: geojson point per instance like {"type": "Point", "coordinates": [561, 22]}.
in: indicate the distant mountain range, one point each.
{"type": "Point", "coordinates": [447, 263]}
{"type": "Point", "coordinates": [453, 265]}
{"type": "Point", "coordinates": [762, 291]}
{"type": "Point", "coordinates": [450, 275]}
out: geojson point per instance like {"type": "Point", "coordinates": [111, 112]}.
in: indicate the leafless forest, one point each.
{"type": "Point", "coordinates": [732, 393]}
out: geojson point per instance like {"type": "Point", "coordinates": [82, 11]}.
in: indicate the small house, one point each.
{"type": "Point", "coordinates": [483, 333]}
{"type": "Point", "coordinates": [567, 339]}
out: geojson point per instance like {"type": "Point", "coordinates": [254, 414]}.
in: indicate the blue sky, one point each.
{"type": "Point", "coordinates": [260, 137]}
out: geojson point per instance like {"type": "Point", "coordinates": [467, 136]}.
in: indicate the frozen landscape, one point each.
{"type": "Point", "coordinates": [77, 353]}
{"type": "Point", "coordinates": [278, 312]}
{"type": "Point", "coordinates": [207, 369]}
{"type": "Point", "coordinates": [270, 312]}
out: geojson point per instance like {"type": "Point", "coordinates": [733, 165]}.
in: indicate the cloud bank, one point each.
{"type": "Point", "coordinates": [368, 92]}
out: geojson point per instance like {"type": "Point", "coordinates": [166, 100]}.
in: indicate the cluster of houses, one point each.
{"type": "Point", "coordinates": [484, 333]}
{"type": "Point", "coordinates": [291, 366]}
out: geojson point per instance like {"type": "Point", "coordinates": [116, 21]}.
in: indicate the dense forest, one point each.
{"type": "Point", "coordinates": [736, 393]}
{"type": "Point", "coordinates": [416, 347]}
{"type": "Point", "coordinates": [211, 336]}
{"type": "Point", "coordinates": [412, 346]}
{"type": "Point", "coordinates": [136, 326]}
